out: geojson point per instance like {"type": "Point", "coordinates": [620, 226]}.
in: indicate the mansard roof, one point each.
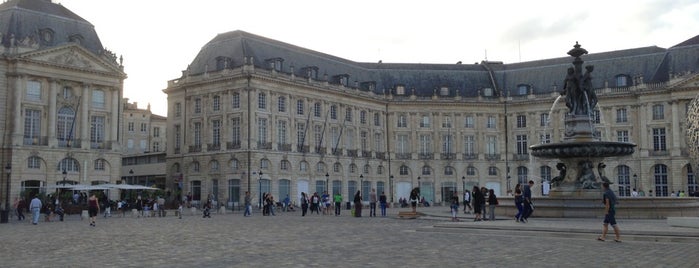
{"type": "Point", "coordinates": [44, 24]}
{"type": "Point", "coordinates": [649, 64]}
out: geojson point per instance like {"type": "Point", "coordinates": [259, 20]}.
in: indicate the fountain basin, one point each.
{"type": "Point", "coordinates": [582, 149]}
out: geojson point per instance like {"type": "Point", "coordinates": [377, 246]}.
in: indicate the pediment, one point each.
{"type": "Point", "coordinates": [72, 56]}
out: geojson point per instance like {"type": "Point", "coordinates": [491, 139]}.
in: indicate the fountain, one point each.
{"type": "Point", "coordinates": [579, 152]}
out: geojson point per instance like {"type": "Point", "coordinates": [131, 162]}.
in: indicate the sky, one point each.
{"type": "Point", "coordinates": [159, 38]}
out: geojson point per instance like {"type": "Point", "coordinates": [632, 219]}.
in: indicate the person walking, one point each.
{"type": "Point", "coordinates": [492, 202]}
{"type": "Point", "coordinates": [609, 199]}
{"type": "Point", "coordinates": [477, 198]}
{"type": "Point", "coordinates": [414, 198]}
{"type": "Point", "coordinates": [93, 209]}
{"type": "Point", "coordinates": [484, 211]}
{"type": "Point", "coordinates": [304, 204]}
{"type": "Point", "coordinates": [20, 207]}
{"type": "Point", "coordinates": [527, 202]}
{"type": "Point", "coordinates": [248, 205]}
{"type": "Point", "coordinates": [315, 203]}
{"type": "Point", "coordinates": [518, 202]}
{"type": "Point", "coordinates": [454, 206]}
{"type": "Point", "coordinates": [467, 201]}
{"type": "Point", "coordinates": [383, 204]}
{"type": "Point", "coordinates": [358, 204]}
{"type": "Point", "coordinates": [372, 203]}
{"type": "Point", "coordinates": [337, 198]}
{"type": "Point", "coordinates": [35, 207]}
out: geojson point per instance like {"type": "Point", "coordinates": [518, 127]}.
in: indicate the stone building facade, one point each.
{"type": "Point", "coordinates": [259, 115]}
{"type": "Point", "coordinates": [145, 135]}
{"type": "Point", "coordinates": [60, 92]}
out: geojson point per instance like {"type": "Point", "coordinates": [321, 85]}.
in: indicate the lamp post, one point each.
{"type": "Point", "coordinates": [131, 178]}
{"type": "Point", "coordinates": [635, 179]}
{"type": "Point", "coordinates": [5, 214]}
{"type": "Point", "coordinates": [390, 186]}
{"type": "Point", "coordinates": [418, 182]}
{"type": "Point", "coordinates": [327, 180]}
{"type": "Point", "coordinates": [65, 175]}
{"type": "Point", "coordinates": [463, 180]}
{"type": "Point", "coordinates": [259, 189]}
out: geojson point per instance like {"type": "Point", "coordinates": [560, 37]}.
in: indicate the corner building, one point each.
{"type": "Point", "coordinates": [259, 115]}
{"type": "Point", "coordinates": [60, 97]}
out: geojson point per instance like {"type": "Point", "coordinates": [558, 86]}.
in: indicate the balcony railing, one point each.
{"type": "Point", "coordinates": [284, 147]}
{"type": "Point", "coordinates": [105, 145]}
{"type": "Point", "coordinates": [264, 146]}
{"type": "Point", "coordinates": [521, 157]}
{"type": "Point", "coordinates": [448, 156]}
{"type": "Point", "coordinates": [195, 148]}
{"type": "Point", "coordinates": [69, 143]}
{"type": "Point", "coordinates": [659, 153]}
{"type": "Point", "coordinates": [178, 151]}
{"type": "Point", "coordinates": [232, 145]}
{"type": "Point", "coordinates": [491, 157]}
{"type": "Point", "coordinates": [320, 150]}
{"type": "Point", "coordinates": [366, 154]}
{"type": "Point", "coordinates": [337, 152]}
{"type": "Point", "coordinates": [381, 155]}
{"type": "Point", "coordinates": [36, 140]}
{"type": "Point", "coordinates": [470, 156]}
{"type": "Point", "coordinates": [302, 149]}
{"type": "Point", "coordinates": [424, 156]}
{"type": "Point", "coordinates": [404, 156]}
{"type": "Point", "coordinates": [213, 147]}
{"type": "Point", "coordinates": [352, 153]}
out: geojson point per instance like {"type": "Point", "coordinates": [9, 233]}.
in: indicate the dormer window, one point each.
{"type": "Point", "coordinates": [46, 35]}
{"type": "Point", "coordinates": [368, 86]}
{"type": "Point", "coordinates": [76, 38]}
{"type": "Point", "coordinates": [400, 90]}
{"type": "Point", "coordinates": [341, 79]}
{"type": "Point", "coordinates": [444, 91]}
{"type": "Point", "coordinates": [622, 80]}
{"type": "Point", "coordinates": [311, 72]}
{"type": "Point", "coordinates": [522, 89]}
{"type": "Point", "coordinates": [275, 64]}
{"type": "Point", "coordinates": [223, 63]}
{"type": "Point", "coordinates": [488, 92]}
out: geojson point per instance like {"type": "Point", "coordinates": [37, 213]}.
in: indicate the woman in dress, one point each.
{"type": "Point", "coordinates": [92, 209]}
{"type": "Point", "coordinates": [358, 204]}
{"type": "Point", "coordinates": [477, 204]}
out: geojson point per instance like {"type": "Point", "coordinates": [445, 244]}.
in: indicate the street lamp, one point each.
{"type": "Point", "coordinates": [463, 180]}
{"type": "Point", "coordinates": [327, 180]}
{"type": "Point", "coordinates": [418, 182]}
{"type": "Point", "coordinates": [390, 185]}
{"type": "Point", "coordinates": [5, 216]}
{"type": "Point", "coordinates": [635, 179]}
{"type": "Point", "coordinates": [259, 189]}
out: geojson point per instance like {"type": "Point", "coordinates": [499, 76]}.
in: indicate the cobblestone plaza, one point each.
{"type": "Point", "coordinates": [289, 240]}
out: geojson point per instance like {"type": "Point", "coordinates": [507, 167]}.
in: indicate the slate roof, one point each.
{"type": "Point", "coordinates": [653, 63]}
{"type": "Point", "coordinates": [30, 18]}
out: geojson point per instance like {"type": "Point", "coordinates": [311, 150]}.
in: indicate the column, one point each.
{"type": "Point", "coordinates": [642, 138]}
{"type": "Point", "coordinates": [17, 108]}
{"type": "Point", "coordinates": [53, 93]}
{"type": "Point", "coordinates": [84, 120]}
{"type": "Point", "coordinates": [114, 124]}
{"type": "Point", "coordinates": [675, 145]}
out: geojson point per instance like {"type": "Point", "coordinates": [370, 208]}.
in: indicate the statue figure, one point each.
{"type": "Point", "coordinates": [586, 177]}
{"type": "Point", "coordinates": [602, 175]}
{"type": "Point", "coordinates": [570, 88]}
{"type": "Point", "coordinates": [561, 175]}
{"type": "Point", "coordinates": [589, 98]}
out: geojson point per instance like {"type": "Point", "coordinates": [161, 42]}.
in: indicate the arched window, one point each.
{"type": "Point", "coordinates": [426, 170]}
{"type": "Point", "coordinates": [448, 171]}
{"type": "Point", "coordinates": [471, 171]}
{"type": "Point", "coordinates": [660, 176]}
{"type": "Point", "coordinates": [69, 165]}
{"type": "Point", "coordinates": [403, 170]}
{"type": "Point", "coordinates": [624, 183]}
{"type": "Point", "coordinates": [234, 165]}
{"type": "Point", "coordinates": [34, 162]}
{"type": "Point", "coordinates": [337, 168]}
{"type": "Point", "coordinates": [195, 167]}
{"type": "Point", "coordinates": [100, 164]}
{"type": "Point", "coordinates": [522, 175]}
{"type": "Point", "coordinates": [213, 166]}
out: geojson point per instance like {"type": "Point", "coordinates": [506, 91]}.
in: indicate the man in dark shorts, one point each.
{"type": "Point", "coordinates": [609, 199]}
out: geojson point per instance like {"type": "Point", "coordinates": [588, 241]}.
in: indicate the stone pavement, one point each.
{"type": "Point", "coordinates": [289, 240]}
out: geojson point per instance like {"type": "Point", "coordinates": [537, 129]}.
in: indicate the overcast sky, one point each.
{"type": "Point", "coordinates": [159, 38]}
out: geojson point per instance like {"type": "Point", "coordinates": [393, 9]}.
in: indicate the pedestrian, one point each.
{"type": "Point", "coordinates": [467, 201]}
{"type": "Point", "coordinates": [609, 199]}
{"type": "Point", "coordinates": [20, 209]}
{"type": "Point", "coordinates": [383, 204]}
{"type": "Point", "coordinates": [93, 209]}
{"type": "Point", "coordinates": [414, 198]}
{"type": "Point", "coordinates": [248, 205]}
{"type": "Point", "coordinates": [180, 209]}
{"type": "Point", "coordinates": [492, 202]}
{"type": "Point", "coordinates": [207, 209]}
{"type": "Point", "coordinates": [35, 207]}
{"type": "Point", "coordinates": [315, 203]}
{"type": "Point", "coordinates": [325, 201]}
{"type": "Point", "coordinates": [271, 203]}
{"type": "Point", "coordinates": [304, 204]}
{"type": "Point", "coordinates": [528, 204]}
{"type": "Point", "coordinates": [337, 198]}
{"type": "Point", "coordinates": [477, 204]}
{"type": "Point", "coordinates": [372, 203]}
{"type": "Point", "coordinates": [161, 206]}
{"type": "Point", "coordinates": [286, 203]}
{"type": "Point", "coordinates": [484, 211]}
{"type": "Point", "coordinates": [358, 204]}
{"type": "Point", "coordinates": [519, 200]}
{"type": "Point", "coordinates": [454, 206]}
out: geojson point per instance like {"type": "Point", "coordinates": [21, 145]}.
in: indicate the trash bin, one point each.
{"type": "Point", "coordinates": [349, 205]}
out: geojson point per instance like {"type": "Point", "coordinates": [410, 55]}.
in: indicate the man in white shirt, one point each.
{"type": "Point", "coordinates": [35, 208]}
{"type": "Point", "coordinates": [634, 193]}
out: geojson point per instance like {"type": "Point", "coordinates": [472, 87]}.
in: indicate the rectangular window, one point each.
{"type": "Point", "coordinates": [522, 145]}
{"type": "Point", "coordinates": [262, 130]}
{"type": "Point", "coordinates": [364, 143]}
{"type": "Point", "coordinates": [235, 130]}
{"type": "Point", "coordinates": [299, 107]}
{"type": "Point", "coordinates": [491, 145]}
{"type": "Point", "coordinates": [156, 132]}
{"type": "Point", "coordinates": [402, 144]}
{"type": "Point", "coordinates": [621, 116]}
{"type": "Point", "coordinates": [622, 136]}
{"type": "Point", "coordinates": [98, 98]}
{"type": "Point", "coordinates": [178, 109]}
{"type": "Point", "coordinates": [144, 127]}
{"type": "Point", "coordinates": [197, 106]}
{"type": "Point", "coordinates": [281, 132]}
{"type": "Point", "coordinates": [425, 122]}
{"type": "Point", "coordinates": [131, 127]}
{"type": "Point", "coordinates": [316, 109]}
{"type": "Point", "coordinates": [235, 101]}
{"type": "Point", "coordinates": [33, 91]}
{"type": "Point", "coordinates": [469, 122]}
{"type": "Point", "coordinates": [521, 121]}
{"type": "Point", "coordinates": [216, 132]}
{"type": "Point", "coordinates": [333, 112]}
{"type": "Point", "coordinates": [300, 133]}
{"type": "Point", "coordinates": [425, 144]}
{"type": "Point", "coordinates": [216, 105]}
{"type": "Point", "coordinates": [261, 101]}
{"type": "Point", "coordinates": [377, 119]}
{"type": "Point", "coordinates": [142, 144]}
{"type": "Point", "coordinates": [658, 112]}
{"type": "Point", "coordinates": [446, 122]}
{"type": "Point", "coordinates": [281, 106]}
{"type": "Point", "coordinates": [362, 117]}
{"type": "Point", "coordinates": [402, 120]}
{"type": "Point", "coordinates": [97, 129]}
{"type": "Point", "coordinates": [178, 137]}
{"type": "Point", "coordinates": [349, 139]}
{"type": "Point", "coordinates": [545, 138]}
{"type": "Point", "coordinates": [469, 145]}
{"type": "Point", "coordinates": [32, 126]}
{"type": "Point", "coordinates": [197, 134]}
{"type": "Point", "coordinates": [378, 142]}
{"type": "Point", "coordinates": [447, 144]}
{"type": "Point", "coordinates": [544, 118]}
{"type": "Point", "coordinates": [492, 122]}
{"type": "Point", "coordinates": [348, 115]}
{"type": "Point", "coordinates": [659, 139]}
